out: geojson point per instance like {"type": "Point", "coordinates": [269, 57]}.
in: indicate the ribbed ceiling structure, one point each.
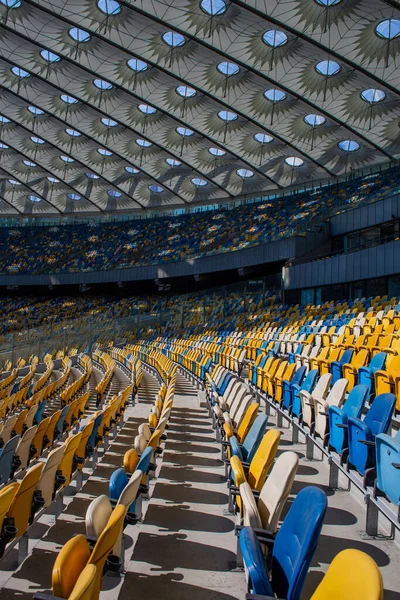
{"type": "Point", "coordinates": [110, 105]}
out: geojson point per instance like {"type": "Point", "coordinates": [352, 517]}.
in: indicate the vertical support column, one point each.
{"type": "Point", "coordinates": [309, 448]}
{"type": "Point", "coordinates": [333, 474]}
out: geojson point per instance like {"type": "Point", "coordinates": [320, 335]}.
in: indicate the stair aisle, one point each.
{"type": "Point", "coordinates": [186, 545]}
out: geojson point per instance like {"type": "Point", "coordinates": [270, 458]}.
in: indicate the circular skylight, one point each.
{"type": "Point", "coordinates": [185, 91]}
{"type": "Point", "coordinates": [146, 109]}
{"type": "Point", "coordinates": [3, 146]}
{"type": "Point", "coordinates": [37, 140]}
{"type": "Point", "coordinates": [21, 73]}
{"type": "Point", "coordinates": [79, 35]}
{"type": "Point", "coordinates": [68, 99]}
{"type": "Point", "coordinates": [314, 120]}
{"type": "Point", "coordinates": [109, 122]}
{"type": "Point", "coordinates": [143, 143]}
{"type": "Point", "coordinates": [11, 3]}
{"type": "Point", "coordinates": [274, 38]}
{"type": "Point", "coordinates": [173, 162]}
{"type": "Point", "coordinates": [102, 85]}
{"type": "Point", "coordinates": [228, 68]}
{"type": "Point", "coordinates": [137, 65]}
{"type": "Point", "coordinates": [53, 180]}
{"type": "Point", "coordinates": [263, 138]}
{"type": "Point", "coordinates": [373, 95]}
{"type": "Point", "coordinates": [114, 194]}
{"type": "Point", "coordinates": [34, 198]}
{"type": "Point", "coordinates": [213, 7]}
{"type": "Point", "coordinates": [104, 152]}
{"type": "Point", "coordinates": [92, 176]}
{"type": "Point", "coordinates": [348, 145]}
{"type": "Point", "coordinates": [294, 161]}
{"type": "Point", "coordinates": [132, 170]}
{"type": "Point", "coordinates": [244, 173]}
{"type": "Point", "coordinates": [49, 56]}
{"type": "Point", "coordinates": [274, 95]}
{"type": "Point", "coordinates": [217, 152]}
{"type": "Point", "coordinates": [327, 3]}
{"type": "Point", "coordinates": [67, 159]}
{"type": "Point", "coordinates": [184, 131]}
{"type": "Point", "coordinates": [156, 189]}
{"type": "Point", "coordinates": [35, 111]}
{"type": "Point", "coordinates": [198, 182]}
{"type": "Point", "coordinates": [73, 196]}
{"type": "Point", "coordinates": [109, 7]}
{"type": "Point", "coordinates": [173, 39]}
{"type": "Point", "coordinates": [388, 29]}
{"type": "Point", "coordinates": [4, 119]}
{"type": "Point", "coordinates": [73, 132]}
{"type": "Point", "coordinates": [29, 163]}
{"type": "Point", "coordinates": [14, 182]}
{"type": "Point", "coordinates": [227, 115]}
{"type": "Point", "coordinates": [327, 67]}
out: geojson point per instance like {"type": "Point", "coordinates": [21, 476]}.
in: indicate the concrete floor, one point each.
{"type": "Point", "coordinates": [185, 547]}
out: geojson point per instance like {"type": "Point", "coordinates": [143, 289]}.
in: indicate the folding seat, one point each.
{"type": "Point", "coordinates": [59, 428]}
{"type": "Point", "coordinates": [352, 575]}
{"type": "Point", "coordinates": [19, 423]}
{"type": "Point", "coordinates": [308, 400]}
{"type": "Point", "coordinates": [335, 398]}
{"type": "Point", "coordinates": [100, 509]}
{"type": "Point", "coordinates": [290, 552]}
{"type": "Point", "coordinates": [306, 361]}
{"type": "Point", "coordinates": [25, 449]}
{"type": "Point", "coordinates": [323, 364]}
{"type": "Point", "coordinates": [95, 438]}
{"type": "Point", "coordinates": [260, 362]}
{"type": "Point", "coordinates": [83, 450]}
{"type": "Point", "coordinates": [8, 464]}
{"type": "Point", "coordinates": [287, 386]}
{"type": "Point", "coordinates": [49, 436]}
{"type": "Point", "coordinates": [237, 411]}
{"type": "Point", "coordinates": [388, 466]}
{"type": "Point", "coordinates": [83, 588]}
{"type": "Point", "coordinates": [307, 386]}
{"type": "Point", "coordinates": [39, 412]}
{"type": "Point", "coordinates": [256, 472]}
{"type": "Point", "coordinates": [244, 427]}
{"type": "Point", "coordinates": [366, 374]}
{"type": "Point", "coordinates": [51, 478]}
{"type": "Point", "coordinates": [7, 430]}
{"type": "Point", "coordinates": [264, 374]}
{"type": "Point", "coordinates": [7, 494]}
{"type": "Point", "coordinates": [70, 459]}
{"type": "Point", "coordinates": [265, 513]}
{"type": "Point", "coordinates": [362, 433]}
{"type": "Point", "coordinates": [301, 356]}
{"type": "Point", "coordinates": [76, 554]}
{"type": "Point", "coordinates": [270, 379]}
{"type": "Point", "coordinates": [26, 501]}
{"type": "Point", "coordinates": [389, 379]}
{"type": "Point", "coordinates": [336, 365]}
{"type": "Point", "coordinates": [245, 451]}
{"type": "Point", "coordinates": [350, 370]}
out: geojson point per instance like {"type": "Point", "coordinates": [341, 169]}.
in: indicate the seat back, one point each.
{"type": "Point", "coordinates": [296, 542]}
{"type": "Point", "coordinates": [46, 483]}
{"type": "Point", "coordinates": [69, 565]}
{"type": "Point", "coordinates": [131, 459]}
{"type": "Point", "coordinates": [263, 459]}
{"type": "Point", "coordinates": [59, 428]}
{"type": "Point", "coordinates": [84, 587]}
{"type": "Point", "coordinates": [6, 458]}
{"type": "Point", "coordinates": [67, 465]}
{"type": "Point", "coordinates": [355, 401]}
{"type": "Point", "coordinates": [8, 428]}
{"type": "Point", "coordinates": [24, 451]}
{"type": "Point", "coordinates": [352, 575]}
{"type": "Point", "coordinates": [145, 460]}
{"type": "Point", "coordinates": [97, 515]}
{"type": "Point", "coordinates": [118, 480]}
{"type": "Point", "coordinates": [299, 375]}
{"type": "Point", "coordinates": [380, 413]}
{"type": "Point", "coordinates": [21, 507]}
{"type": "Point", "coordinates": [7, 494]}
{"type": "Point", "coordinates": [387, 456]}
{"type": "Point", "coordinates": [254, 562]}
{"type": "Point", "coordinates": [276, 489]}
{"type": "Point", "coordinates": [247, 421]}
{"type": "Point", "coordinates": [106, 543]}
{"type": "Point", "coordinates": [254, 437]}
{"type": "Point", "coordinates": [310, 380]}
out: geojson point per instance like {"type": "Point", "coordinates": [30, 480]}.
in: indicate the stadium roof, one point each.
{"type": "Point", "coordinates": [113, 105]}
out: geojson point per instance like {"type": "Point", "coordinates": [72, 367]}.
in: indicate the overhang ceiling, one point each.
{"type": "Point", "coordinates": [282, 92]}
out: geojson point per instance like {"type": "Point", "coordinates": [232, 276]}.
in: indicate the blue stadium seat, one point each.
{"type": "Point", "coordinates": [336, 365]}
{"type": "Point", "coordinates": [7, 458]}
{"type": "Point", "coordinates": [366, 374]}
{"type": "Point", "coordinates": [290, 552]}
{"type": "Point", "coordinates": [297, 379]}
{"type": "Point", "coordinates": [251, 442]}
{"type": "Point", "coordinates": [308, 386]}
{"type": "Point", "coordinates": [388, 466]}
{"type": "Point", "coordinates": [39, 413]}
{"type": "Point", "coordinates": [338, 417]}
{"type": "Point", "coordinates": [59, 430]}
{"type": "Point", "coordinates": [362, 433]}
